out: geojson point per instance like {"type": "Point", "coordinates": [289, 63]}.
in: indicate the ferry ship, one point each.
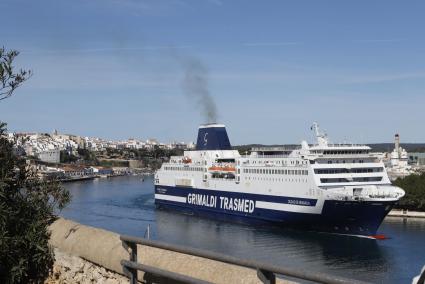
{"type": "Point", "coordinates": [335, 188]}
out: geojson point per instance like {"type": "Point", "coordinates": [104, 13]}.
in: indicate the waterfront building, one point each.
{"type": "Point", "coordinates": [49, 156]}
{"type": "Point", "coordinates": [102, 171]}
{"type": "Point", "coordinates": [417, 159]}
{"type": "Point", "coordinates": [76, 171]}
{"type": "Point", "coordinates": [121, 171]}
{"type": "Point", "coordinates": [398, 165]}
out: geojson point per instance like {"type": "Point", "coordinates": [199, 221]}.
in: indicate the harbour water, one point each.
{"type": "Point", "coordinates": [126, 205]}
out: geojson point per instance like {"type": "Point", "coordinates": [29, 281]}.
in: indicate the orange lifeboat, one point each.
{"type": "Point", "coordinates": [222, 169]}
{"type": "Point", "coordinates": [187, 160]}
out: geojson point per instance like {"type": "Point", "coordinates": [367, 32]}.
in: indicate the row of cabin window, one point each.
{"type": "Point", "coordinates": [277, 179]}
{"type": "Point", "coordinates": [345, 152]}
{"type": "Point", "coordinates": [276, 172]}
{"type": "Point", "coordinates": [296, 162]}
{"type": "Point", "coordinates": [342, 171]}
{"type": "Point", "coordinates": [340, 180]}
{"type": "Point", "coordinates": [343, 161]}
{"type": "Point", "coordinates": [189, 169]}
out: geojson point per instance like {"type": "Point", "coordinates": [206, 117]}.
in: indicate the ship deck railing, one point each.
{"type": "Point", "coordinates": [265, 272]}
{"type": "Point", "coordinates": [276, 148]}
{"type": "Point", "coordinates": [265, 156]}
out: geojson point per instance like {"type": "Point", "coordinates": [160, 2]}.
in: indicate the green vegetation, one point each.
{"type": "Point", "coordinates": [113, 163]}
{"type": "Point", "coordinates": [65, 157]}
{"type": "Point", "coordinates": [9, 79]}
{"type": "Point", "coordinates": [88, 157]}
{"type": "Point", "coordinates": [414, 185]}
{"type": "Point", "coordinates": [151, 158]}
{"type": "Point", "coordinates": [27, 203]}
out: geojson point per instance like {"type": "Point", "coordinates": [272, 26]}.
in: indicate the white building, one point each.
{"type": "Point", "coordinates": [398, 164]}
{"type": "Point", "coordinates": [49, 156]}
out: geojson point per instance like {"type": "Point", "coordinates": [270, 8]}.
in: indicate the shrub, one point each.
{"type": "Point", "coordinates": [414, 185]}
{"type": "Point", "coordinates": [28, 205]}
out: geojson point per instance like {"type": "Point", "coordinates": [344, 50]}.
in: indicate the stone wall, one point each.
{"type": "Point", "coordinates": [105, 249]}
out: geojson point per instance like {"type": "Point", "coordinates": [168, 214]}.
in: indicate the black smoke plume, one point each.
{"type": "Point", "coordinates": [195, 85]}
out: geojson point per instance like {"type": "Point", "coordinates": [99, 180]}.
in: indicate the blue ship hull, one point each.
{"type": "Point", "coordinates": [341, 217]}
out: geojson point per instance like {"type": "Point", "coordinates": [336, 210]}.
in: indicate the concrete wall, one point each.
{"type": "Point", "coordinates": [135, 164]}
{"type": "Point", "coordinates": [50, 156]}
{"type": "Point", "coordinates": [105, 249]}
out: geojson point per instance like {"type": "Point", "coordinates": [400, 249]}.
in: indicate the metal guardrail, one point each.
{"type": "Point", "coordinates": [265, 272]}
{"type": "Point", "coordinates": [421, 279]}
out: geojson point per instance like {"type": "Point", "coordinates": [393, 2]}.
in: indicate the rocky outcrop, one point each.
{"type": "Point", "coordinates": [72, 269]}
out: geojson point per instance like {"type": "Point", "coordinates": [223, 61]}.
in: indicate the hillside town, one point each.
{"type": "Point", "coordinates": [64, 156]}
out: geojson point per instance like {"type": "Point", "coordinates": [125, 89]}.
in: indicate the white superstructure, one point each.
{"type": "Point", "coordinates": [294, 185]}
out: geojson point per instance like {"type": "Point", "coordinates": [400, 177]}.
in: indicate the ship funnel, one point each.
{"type": "Point", "coordinates": [213, 137]}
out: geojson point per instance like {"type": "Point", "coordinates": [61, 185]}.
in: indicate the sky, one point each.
{"type": "Point", "coordinates": [116, 68]}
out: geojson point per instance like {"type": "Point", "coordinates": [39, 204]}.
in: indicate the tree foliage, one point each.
{"type": "Point", "coordinates": [28, 204]}
{"type": "Point", "coordinates": [414, 185]}
{"type": "Point", "coordinates": [65, 157]}
{"type": "Point", "coordinates": [27, 207]}
{"type": "Point", "coordinates": [9, 78]}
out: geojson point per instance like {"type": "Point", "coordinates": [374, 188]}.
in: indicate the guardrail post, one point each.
{"type": "Point", "coordinates": [266, 277]}
{"type": "Point", "coordinates": [421, 279]}
{"type": "Point", "coordinates": [133, 257]}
